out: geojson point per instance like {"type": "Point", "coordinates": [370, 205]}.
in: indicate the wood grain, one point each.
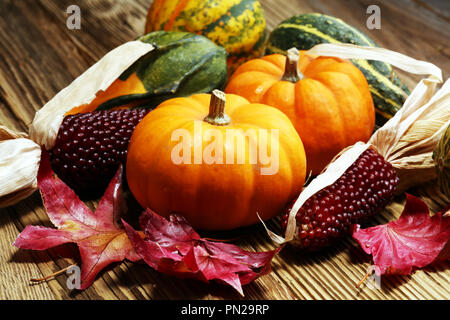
{"type": "Point", "coordinates": [40, 56]}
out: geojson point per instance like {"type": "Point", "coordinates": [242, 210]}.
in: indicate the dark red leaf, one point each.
{"type": "Point", "coordinates": [414, 240]}
{"type": "Point", "coordinates": [173, 247]}
{"type": "Point", "coordinates": [100, 239]}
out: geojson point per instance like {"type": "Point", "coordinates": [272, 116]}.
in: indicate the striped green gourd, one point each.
{"type": "Point", "coordinates": [306, 30]}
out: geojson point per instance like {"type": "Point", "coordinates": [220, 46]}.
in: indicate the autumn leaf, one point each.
{"type": "Point", "coordinates": [173, 247]}
{"type": "Point", "coordinates": [99, 236]}
{"type": "Point", "coordinates": [414, 240]}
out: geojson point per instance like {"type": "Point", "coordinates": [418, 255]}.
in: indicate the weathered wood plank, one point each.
{"type": "Point", "coordinates": [40, 56]}
{"type": "Point", "coordinates": [15, 270]}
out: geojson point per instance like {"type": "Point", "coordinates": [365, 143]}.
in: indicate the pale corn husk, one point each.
{"type": "Point", "coordinates": [20, 154]}
{"type": "Point", "coordinates": [406, 140]}
{"type": "Point", "coordinates": [401, 61]}
{"type": "Point", "coordinates": [19, 163]}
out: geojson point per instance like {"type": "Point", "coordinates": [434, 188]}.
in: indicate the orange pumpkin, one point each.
{"type": "Point", "coordinates": [327, 99]}
{"type": "Point", "coordinates": [220, 169]}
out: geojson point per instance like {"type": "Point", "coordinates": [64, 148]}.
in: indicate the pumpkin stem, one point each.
{"type": "Point", "coordinates": [291, 72]}
{"type": "Point", "coordinates": [216, 114]}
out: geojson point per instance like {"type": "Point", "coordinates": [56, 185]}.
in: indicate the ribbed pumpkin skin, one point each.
{"type": "Point", "coordinates": [237, 25]}
{"type": "Point", "coordinates": [306, 30]}
{"type": "Point", "coordinates": [201, 66]}
{"type": "Point", "coordinates": [441, 157]}
{"type": "Point", "coordinates": [331, 108]}
{"type": "Point", "coordinates": [212, 196]}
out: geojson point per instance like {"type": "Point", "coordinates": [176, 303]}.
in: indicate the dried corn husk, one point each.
{"type": "Point", "coordinates": [407, 140]}
{"type": "Point", "coordinates": [20, 154]}
{"type": "Point", "coordinates": [410, 150]}
{"type": "Point", "coordinates": [441, 158]}
{"type": "Point", "coordinates": [23, 155]}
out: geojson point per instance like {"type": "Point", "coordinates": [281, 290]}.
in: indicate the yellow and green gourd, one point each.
{"type": "Point", "coordinates": [441, 157]}
{"type": "Point", "coordinates": [237, 25]}
{"type": "Point", "coordinates": [304, 31]}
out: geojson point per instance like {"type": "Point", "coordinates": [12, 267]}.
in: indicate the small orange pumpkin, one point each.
{"type": "Point", "coordinates": [185, 157]}
{"type": "Point", "coordinates": [328, 99]}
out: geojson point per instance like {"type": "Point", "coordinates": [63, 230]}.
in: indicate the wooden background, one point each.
{"type": "Point", "coordinates": [40, 56]}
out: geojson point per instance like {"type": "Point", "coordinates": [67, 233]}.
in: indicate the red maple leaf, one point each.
{"type": "Point", "coordinates": [99, 237]}
{"type": "Point", "coordinates": [173, 247]}
{"type": "Point", "coordinates": [414, 240]}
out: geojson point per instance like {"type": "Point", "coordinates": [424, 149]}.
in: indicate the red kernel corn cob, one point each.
{"type": "Point", "coordinates": [363, 190]}
{"type": "Point", "coordinates": [90, 146]}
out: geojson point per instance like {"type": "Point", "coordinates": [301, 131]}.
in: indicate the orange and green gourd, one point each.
{"type": "Point", "coordinates": [201, 66]}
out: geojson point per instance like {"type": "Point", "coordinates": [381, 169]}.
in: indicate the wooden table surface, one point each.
{"type": "Point", "coordinates": [39, 56]}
